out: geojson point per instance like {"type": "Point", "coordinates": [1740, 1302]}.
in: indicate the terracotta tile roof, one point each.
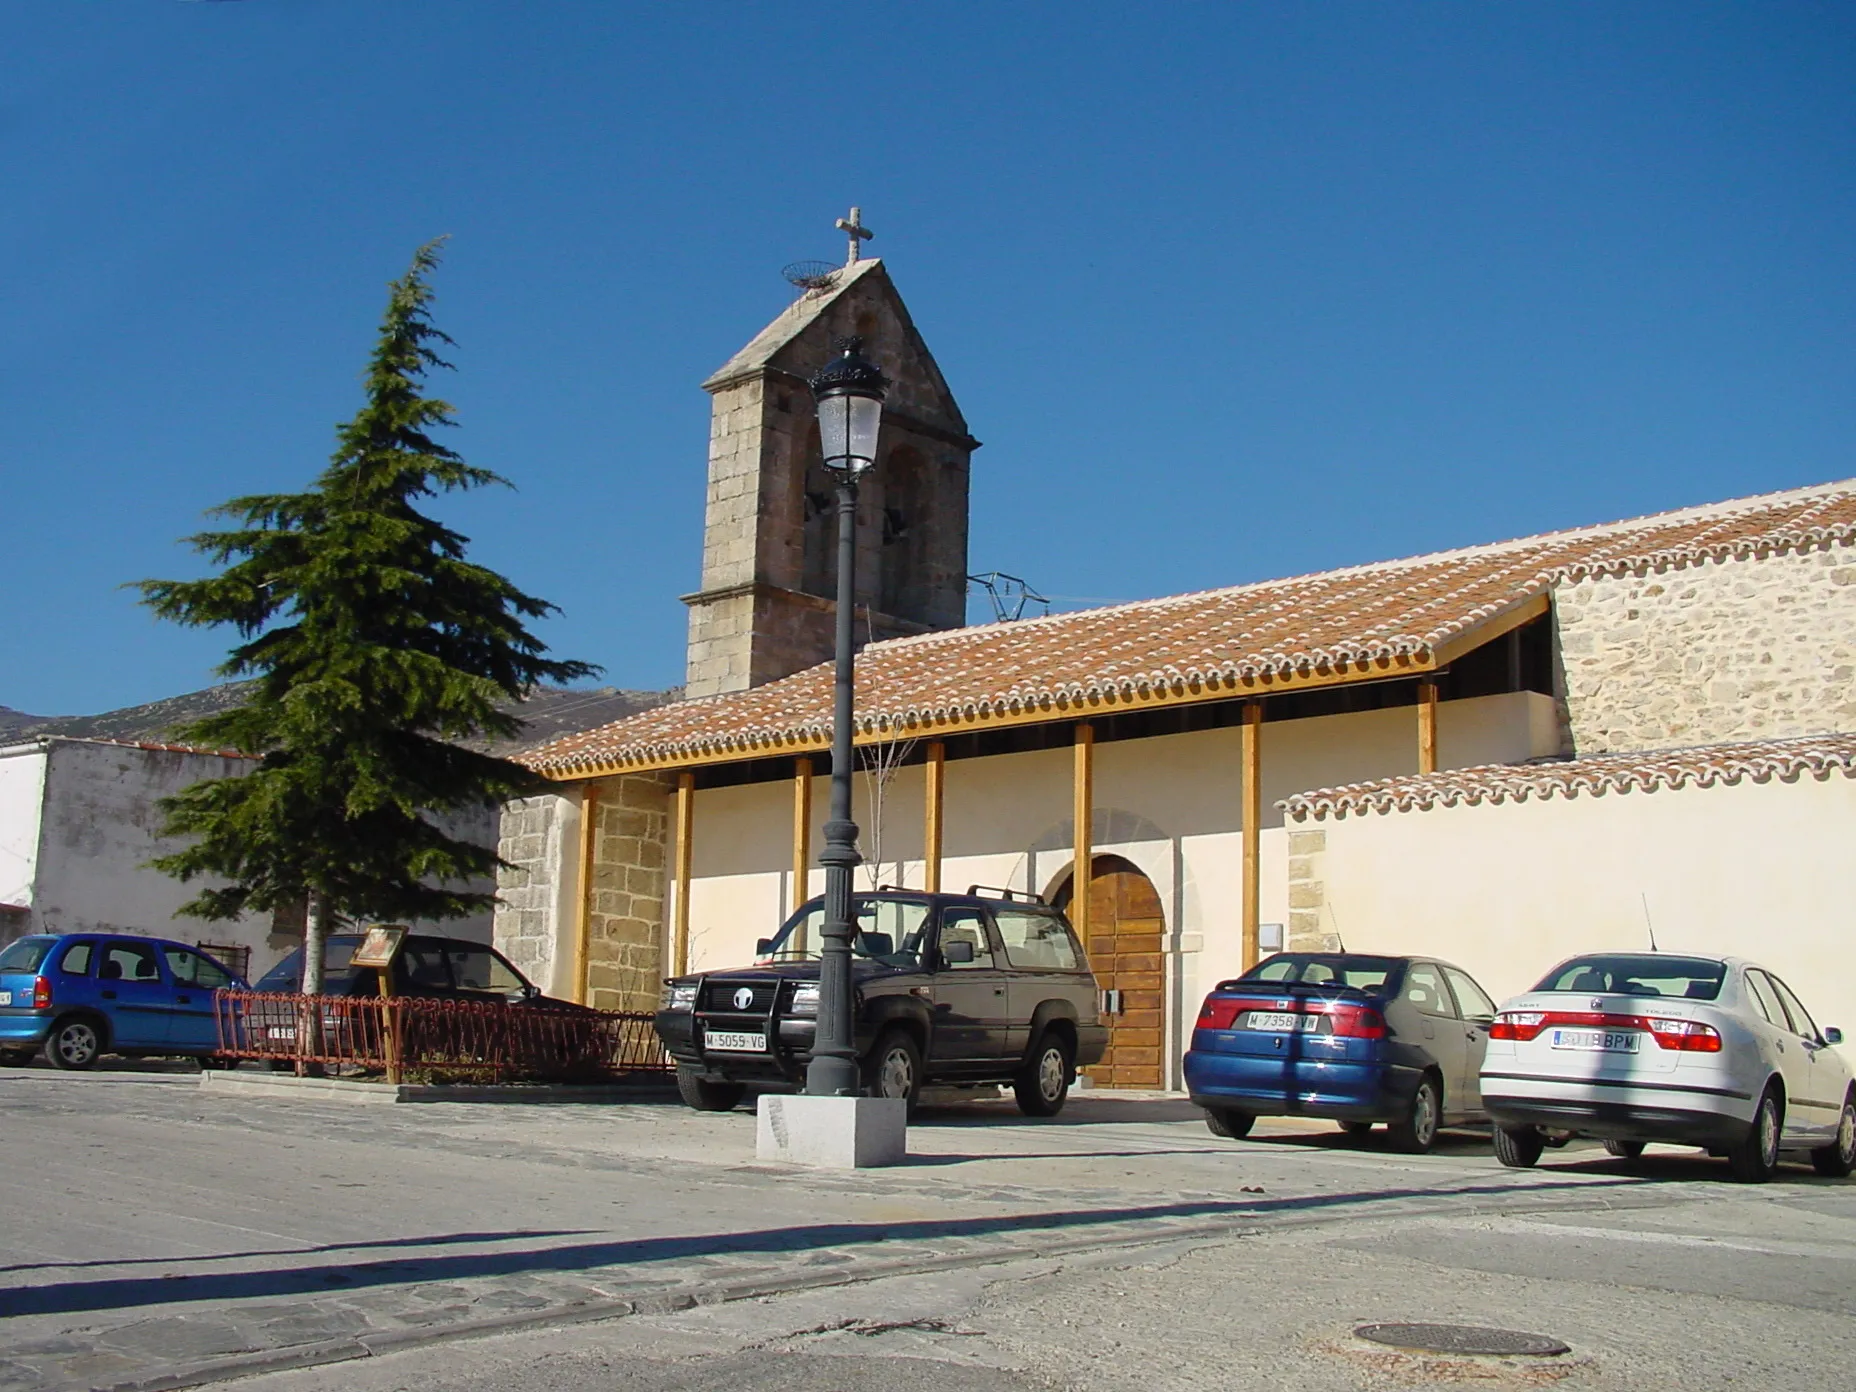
{"type": "Point", "coordinates": [1702, 766]}
{"type": "Point", "coordinates": [1359, 622]}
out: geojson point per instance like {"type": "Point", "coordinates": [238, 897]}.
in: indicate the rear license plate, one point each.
{"type": "Point", "coordinates": [6, 997]}
{"type": "Point", "coordinates": [736, 1041]}
{"type": "Point", "coordinates": [1597, 1041]}
{"type": "Point", "coordinates": [281, 1032]}
{"type": "Point", "coordinates": [1281, 1022]}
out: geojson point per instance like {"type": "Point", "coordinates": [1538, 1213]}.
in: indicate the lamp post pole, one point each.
{"type": "Point", "coordinates": [850, 393]}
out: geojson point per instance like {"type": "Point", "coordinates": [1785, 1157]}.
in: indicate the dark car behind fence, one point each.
{"type": "Point", "coordinates": [403, 1035]}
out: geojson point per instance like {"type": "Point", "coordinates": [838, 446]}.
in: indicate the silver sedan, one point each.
{"type": "Point", "coordinates": [1638, 1047]}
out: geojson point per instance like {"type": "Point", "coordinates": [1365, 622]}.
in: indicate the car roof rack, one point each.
{"type": "Point", "coordinates": [1009, 895]}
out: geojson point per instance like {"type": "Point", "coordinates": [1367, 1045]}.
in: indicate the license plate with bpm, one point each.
{"type": "Point", "coordinates": [736, 1041]}
{"type": "Point", "coordinates": [1597, 1041]}
{"type": "Point", "coordinates": [1281, 1022]}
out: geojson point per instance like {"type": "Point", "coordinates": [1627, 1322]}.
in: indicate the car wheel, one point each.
{"type": "Point", "coordinates": [74, 1043]}
{"type": "Point", "coordinates": [1043, 1085]}
{"type": "Point", "coordinates": [1416, 1132]}
{"type": "Point", "coordinates": [1755, 1159]}
{"type": "Point", "coordinates": [1624, 1150]}
{"type": "Point", "coordinates": [1835, 1161]}
{"type": "Point", "coordinates": [894, 1068]}
{"type": "Point", "coordinates": [704, 1096]}
{"type": "Point", "coordinates": [1357, 1130]}
{"type": "Point", "coordinates": [214, 1062]}
{"type": "Point", "coordinates": [1519, 1147]}
{"type": "Point", "coordinates": [1228, 1122]}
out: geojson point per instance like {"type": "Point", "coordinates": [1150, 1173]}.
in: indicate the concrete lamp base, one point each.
{"type": "Point", "coordinates": [832, 1133]}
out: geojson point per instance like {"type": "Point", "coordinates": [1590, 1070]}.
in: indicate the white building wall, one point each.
{"type": "Point", "coordinates": [1507, 890]}
{"type": "Point", "coordinates": [1172, 805]}
{"type": "Point", "coordinates": [22, 798]}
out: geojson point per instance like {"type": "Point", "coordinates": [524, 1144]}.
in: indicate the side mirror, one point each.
{"type": "Point", "coordinates": [958, 954]}
{"type": "Point", "coordinates": [1832, 1035]}
{"type": "Point", "coordinates": [762, 946]}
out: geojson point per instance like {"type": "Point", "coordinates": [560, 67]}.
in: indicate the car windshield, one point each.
{"type": "Point", "coordinates": [889, 931]}
{"type": "Point", "coordinates": [1343, 970]}
{"type": "Point", "coordinates": [287, 975]}
{"type": "Point", "coordinates": [26, 955]}
{"type": "Point", "coordinates": [1648, 974]}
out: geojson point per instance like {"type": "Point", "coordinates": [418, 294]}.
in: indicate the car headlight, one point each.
{"type": "Point", "coordinates": [805, 998]}
{"type": "Point", "coordinates": [680, 996]}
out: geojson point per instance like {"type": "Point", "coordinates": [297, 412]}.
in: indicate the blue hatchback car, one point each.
{"type": "Point", "coordinates": [1351, 1037]}
{"type": "Point", "coordinates": [81, 995]}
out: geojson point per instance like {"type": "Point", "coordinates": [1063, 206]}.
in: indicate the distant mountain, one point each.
{"type": "Point", "coordinates": [550, 713]}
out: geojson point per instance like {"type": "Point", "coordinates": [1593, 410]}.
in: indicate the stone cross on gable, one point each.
{"type": "Point", "coordinates": [854, 225]}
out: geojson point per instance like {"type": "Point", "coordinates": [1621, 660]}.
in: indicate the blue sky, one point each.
{"type": "Point", "coordinates": [1229, 291]}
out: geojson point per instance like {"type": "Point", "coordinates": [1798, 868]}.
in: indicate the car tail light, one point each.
{"type": "Point", "coordinates": [41, 993]}
{"type": "Point", "coordinates": [1219, 1013]}
{"type": "Point", "coordinates": [1356, 1021]}
{"type": "Point", "coordinates": [1686, 1036]}
{"type": "Point", "coordinates": [1518, 1024]}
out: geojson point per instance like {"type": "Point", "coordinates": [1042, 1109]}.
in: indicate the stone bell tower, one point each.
{"type": "Point", "coordinates": [769, 556]}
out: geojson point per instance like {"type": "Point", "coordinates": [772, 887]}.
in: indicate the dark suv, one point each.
{"type": "Point", "coordinates": [962, 989]}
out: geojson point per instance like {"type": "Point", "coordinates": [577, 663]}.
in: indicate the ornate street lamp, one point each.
{"type": "Point", "coordinates": [850, 390]}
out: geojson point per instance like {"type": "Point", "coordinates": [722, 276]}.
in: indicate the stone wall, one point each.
{"type": "Point", "coordinates": [539, 838]}
{"type": "Point", "coordinates": [626, 926]}
{"type": "Point", "coordinates": [1751, 648]}
{"type": "Point", "coordinates": [1307, 931]}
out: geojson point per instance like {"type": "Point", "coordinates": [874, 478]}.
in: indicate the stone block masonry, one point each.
{"type": "Point", "coordinates": [1753, 648]}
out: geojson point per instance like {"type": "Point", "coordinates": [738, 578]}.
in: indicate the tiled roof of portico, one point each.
{"type": "Point", "coordinates": [1701, 766]}
{"type": "Point", "coordinates": [1394, 618]}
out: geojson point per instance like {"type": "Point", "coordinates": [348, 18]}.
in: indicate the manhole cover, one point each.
{"type": "Point", "coordinates": [1461, 1338]}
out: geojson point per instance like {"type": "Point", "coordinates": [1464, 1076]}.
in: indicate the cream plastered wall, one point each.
{"type": "Point", "coordinates": [1171, 805]}
{"type": "Point", "coordinates": [1507, 890]}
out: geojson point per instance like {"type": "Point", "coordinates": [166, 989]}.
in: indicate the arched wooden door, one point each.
{"type": "Point", "coordinates": [1125, 931]}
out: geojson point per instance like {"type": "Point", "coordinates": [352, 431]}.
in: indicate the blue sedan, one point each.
{"type": "Point", "coordinates": [78, 996]}
{"type": "Point", "coordinates": [1346, 1036]}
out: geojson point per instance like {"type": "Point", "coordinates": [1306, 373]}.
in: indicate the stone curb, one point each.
{"type": "Point", "coordinates": [382, 1342]}
{"type": "Point", "coordinates": [356, 1091]}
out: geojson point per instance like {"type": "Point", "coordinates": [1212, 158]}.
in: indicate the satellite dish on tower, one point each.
{"type": "Point", "coordinates": [816, 277]}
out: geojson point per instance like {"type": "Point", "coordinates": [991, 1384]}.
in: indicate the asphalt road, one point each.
{"type": "Point", "coordinates": [164, 1235]}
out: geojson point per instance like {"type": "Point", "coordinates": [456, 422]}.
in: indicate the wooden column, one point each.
{"type": "Point", "coordinates": [1082, 814]}
{"type": "Point", "coordinates": [1253, 830]}
{"type": "Point", "coordinates": [680, 928]}
{"type": "Point", "coordinates": [1427, 727]}
{"type": "Point", "coordinates": [583, 924]}
{"type": "Point", "coordinates": [936, 771]}
{"type": "Point", "coordinates": [802, 832]}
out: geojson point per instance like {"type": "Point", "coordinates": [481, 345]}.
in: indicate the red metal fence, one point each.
{"type": "Point", "coordinates": [403, 1035]}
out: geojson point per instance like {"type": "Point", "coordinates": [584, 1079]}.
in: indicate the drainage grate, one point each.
{"type": "Point", "coordinates": [1461, 1338]}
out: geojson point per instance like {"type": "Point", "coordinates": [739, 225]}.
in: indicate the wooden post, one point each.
{"type": "Point", "coordinates": [1427, 726]}
{"type": "Point", "coordinates": [936, 770]}
{"type": "Point", "coordinates": [1253, 830]}
{"type": "Point", "coordinates": [686, 819]}
{"type": "Point", "coordinates": [802, 842]}
{"type": "Point", "coordinates": [583, 914]}
{"type": "Point", "coordinates": [1082, 814]}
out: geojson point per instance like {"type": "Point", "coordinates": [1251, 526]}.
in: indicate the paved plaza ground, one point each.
{"type": "Point", "coordinates": [161, 1235]}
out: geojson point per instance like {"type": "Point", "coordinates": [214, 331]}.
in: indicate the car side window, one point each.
{"type": "Point", "coordinates": [76, 960]}
{"type": "Point", "coordinates": [189, 968]}
{"type": "Point", "coordinates": [1471, 998]}
{"type": "Point", "coordinates": [479, 969]}
{"type": "Point", "coordinates": [1035, 941]}
{"type": "Point", "coordinates": [965, 926]}
{"type": "Point", "coordinates": [128, 962]}
{"type": "Point", "coordinates": [1424, 988]}
{"type": "Point", "coordinates": [1802, 1023]}
{"type": "Point", "coordinates": [422, 967]}
{"type": "Point", "coordinates": [1766, 999]}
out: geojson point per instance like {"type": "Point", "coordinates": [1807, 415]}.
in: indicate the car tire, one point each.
{"type": "Point", "coordinates": [1519, 1147]}
{"type": "Point", "coordinates": [1416, 1131]}
{"type": "Point", "coordinates": [1042, 1086]}
{"type": "Point", "coordinates": [1357, 1130]}
{"type": "Point", "coordinates": [702, 1095]}
{"type": "Point", "coordinates": [1836, 1160]}
{"type": "Point", "coordinates": [1228, 1122]}
{"type": "Point", "coordinates": [1754, 1159]}
{"type": "Point", "coordinates": [74, 1044]}
{"type": "Point", "coordinates": [1624, 1150]}
{"type": "Point", "coordinates": [894, 1068]}
{"type": "Point", "coordinates": [214, 1063]}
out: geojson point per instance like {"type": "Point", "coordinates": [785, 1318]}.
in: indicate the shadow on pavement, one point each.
{"type": "Point", "coordinates": [129, 1292]}
{"type": "Point", "coordinates": [443, 1240]}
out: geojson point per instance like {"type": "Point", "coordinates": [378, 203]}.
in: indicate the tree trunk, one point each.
{"type": "Point", "coordinates": [309, 1021]}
